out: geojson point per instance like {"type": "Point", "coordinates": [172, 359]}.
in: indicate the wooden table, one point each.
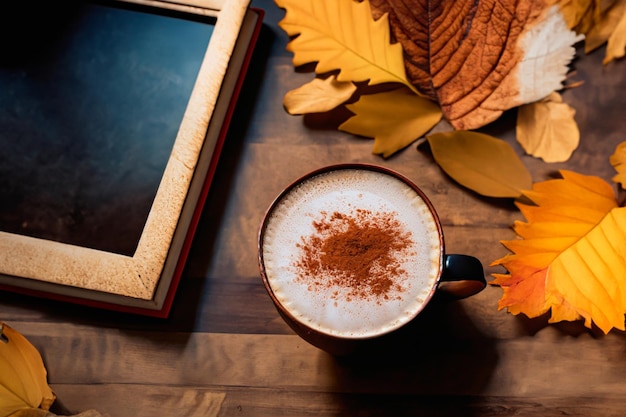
{"type": "Point", "coordinates": [224, 351]}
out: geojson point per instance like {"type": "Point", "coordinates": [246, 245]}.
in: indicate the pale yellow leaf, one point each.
{"type": "Point", "coordinates": [342, 36]}
{"type": "Point", "coordinates": [23, 375]}
{"type": "Point", "coordinates": [616, 45]}
{"type": "Point", "coordinates": [481, 163]}
{"type": "Point", "coordinates": [395, 119]}
{"type": "Point", "coordinates": [319, 95]}
{"type": "Point", "coordinates": [546, 129]}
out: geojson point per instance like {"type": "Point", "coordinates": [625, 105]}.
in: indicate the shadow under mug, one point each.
{"type": "Point", "coordinates": [457, 276]}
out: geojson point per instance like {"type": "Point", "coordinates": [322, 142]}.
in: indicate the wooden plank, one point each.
{"type": "Point", "coordinates": [121, 400]}
{"type": "Point", "coordinates": [430, 360]}
{"type": "Point", "coordinates": [137, 400]}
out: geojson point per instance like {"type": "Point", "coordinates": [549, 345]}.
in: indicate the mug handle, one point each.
{"type": "Point", "coordinates": [462, 276]}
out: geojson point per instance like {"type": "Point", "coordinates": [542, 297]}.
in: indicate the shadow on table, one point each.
{"type": "Point", "coordinates": [437, 365]}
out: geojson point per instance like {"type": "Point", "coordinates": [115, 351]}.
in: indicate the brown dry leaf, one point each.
{"type": "Point", "coordinates": [319, 95]}
{"type": "Point", "coordinates": [394, 119]}
{"type": "Point", "coordinates": [477, 59]}
{"type": "Point", "coordinates": [618, 161]}
{"type": "Point", "coordinates": [480, 162]}
{"type": "Point", "coordinates": [546, 129]}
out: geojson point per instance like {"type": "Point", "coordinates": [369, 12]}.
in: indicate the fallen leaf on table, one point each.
{"type": "Point", "coordinates": [616, 45]}
{"type": "Point", "coordinates": [571, 255]}
{"type": "Point", "coordinates": [600, 21]}
{"type": "Point", "coordinates": [319, 95]}
{"type": "Point", "coordinates": [340, 35]}
{"type": "Point", "coordinates": [394, 118]}
{"type": "Point", "coordinates": [478, 59]}
{"type": "Point", "coordinates": [480, 162]}
{"type": "Point", "coordinates": [546, 129]}
{"type": "Point", "coordinates": [23, 382]}
{"type": "Point", "coordinates": [618, 161]}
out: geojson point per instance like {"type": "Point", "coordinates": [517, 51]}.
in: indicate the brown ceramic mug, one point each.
{"type": "Point", "coordinates": [349, 253]}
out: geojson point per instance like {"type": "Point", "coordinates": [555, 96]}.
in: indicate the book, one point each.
{"type": "Point", "coordinates": [112, 122]}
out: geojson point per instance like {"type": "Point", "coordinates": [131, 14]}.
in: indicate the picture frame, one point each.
{"type": "Point", "coordinates": [143, 277]}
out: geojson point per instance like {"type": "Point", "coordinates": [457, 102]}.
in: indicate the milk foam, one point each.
{"type": "Point", "coordinates": [344, 191]}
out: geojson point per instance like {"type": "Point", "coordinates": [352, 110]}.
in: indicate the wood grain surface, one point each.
{"type": "Point", "coordinates": [224, 351]}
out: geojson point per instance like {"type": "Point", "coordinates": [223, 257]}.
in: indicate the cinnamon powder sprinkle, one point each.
{"type": "Point", "coordinates": [361, 253]}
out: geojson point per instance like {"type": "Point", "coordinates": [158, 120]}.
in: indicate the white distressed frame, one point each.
{"type": "Point", "coordinates": [37, 260]}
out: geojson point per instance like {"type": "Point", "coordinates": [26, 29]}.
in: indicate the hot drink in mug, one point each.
{"type": "Point", "coordinates": [353, 252]}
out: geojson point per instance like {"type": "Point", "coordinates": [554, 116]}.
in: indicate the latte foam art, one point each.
{"type": "Point", "coordinates": [354, 253]}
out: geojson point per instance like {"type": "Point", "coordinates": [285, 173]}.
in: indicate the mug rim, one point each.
{"type": "Point", "coordinates": [291, 319]}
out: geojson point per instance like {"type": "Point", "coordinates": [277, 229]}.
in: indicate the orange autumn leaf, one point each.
{"type": "Point", "coordinates": [570, 258]}
{"type": "Point", "coordinates": [618, 161]}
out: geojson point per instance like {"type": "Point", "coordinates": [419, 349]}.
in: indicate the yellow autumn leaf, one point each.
{"type": "Point", "coordinates": [603, 21]}
{"type": "Point", "coordinates": [480, 162]}
{"type": "Point", "coordinates": [600, 21]}
{"type": "Point", "coordinates": [343, 36]}
{"type": "Point", "coordinates": [571, 255]}
{"type": "Point", "coordinates": [23, 382]}
{"type": "Point", "coordinates": [319, 95]}
{"type": "Point", "coordinates": [616, 44]}
{"type": "Point", "coordinates": [395, 119]}
{"type": "Point", "coordinates": [546, 129]}
{"type": "Point", "coordinates": [618, 161]}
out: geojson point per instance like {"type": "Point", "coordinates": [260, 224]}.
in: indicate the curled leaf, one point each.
{"type": "Point", "coordinates": [480, 162]}
{"type": "Point", "coordinates": [319, 95]}
{"type": "Point", "coordinates": [23, 382]}
{"type": "Point", "coordinates": [618, 161]}
{"type": "Point", "coordinates": [571, 258]}
{"type": "Point", "coordinates": [393, 118]}
{"type": "Point", "coordinates": [546, 129]}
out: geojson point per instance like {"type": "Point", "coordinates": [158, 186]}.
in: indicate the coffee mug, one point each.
{"type": "Point", "coordinates": [352, 252]}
